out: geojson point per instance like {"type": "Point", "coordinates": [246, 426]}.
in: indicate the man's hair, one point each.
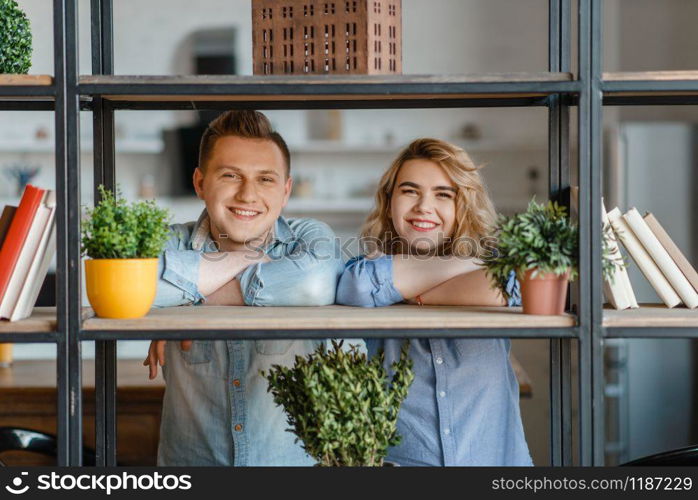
{"type": "Point", "coordinates": [247, 124]}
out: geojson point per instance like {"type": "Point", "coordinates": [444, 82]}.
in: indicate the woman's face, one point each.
{"type": "Point", "coordinates": [423, 205]}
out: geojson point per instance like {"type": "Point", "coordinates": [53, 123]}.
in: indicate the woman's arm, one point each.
{"type": "Point", "coordinates": [469, 289]}
{"type": "Point", "coordinates": [414, 275]}
{"type": "Point", "coordinates": [389, 279]}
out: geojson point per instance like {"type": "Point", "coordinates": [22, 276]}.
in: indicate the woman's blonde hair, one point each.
{"type": "Point", "coordinates": [475, 214]}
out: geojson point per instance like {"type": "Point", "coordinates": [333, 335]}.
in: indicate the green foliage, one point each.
{"type": "Point", "coordinates": [342, 406]}
{"type": "Point", "coordinates": [116, 230]}
{"type": "Point", "coordinates": [542, 237]}
{"type": "Point", "coordinates": [612, 259]}
{"type": "Point", "coordinates": [15, 39]}
{"type": "Point", "coordinates": [545, 239]}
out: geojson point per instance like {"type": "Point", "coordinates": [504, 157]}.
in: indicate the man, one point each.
{"type": "Point", "coordinates": [241, 251]}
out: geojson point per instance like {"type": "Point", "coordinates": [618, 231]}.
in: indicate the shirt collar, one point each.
{"type": "Point", "coordinates": [201, 234]}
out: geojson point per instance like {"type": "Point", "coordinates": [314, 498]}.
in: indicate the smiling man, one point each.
{"type": "Point", "coordinates": [241, 251]}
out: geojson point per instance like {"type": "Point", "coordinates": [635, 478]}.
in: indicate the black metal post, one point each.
{"type": "Point", "coordinates": [559, 44]}
{"type": "Point", "coordinates": [595, 227]}
{"type": "Point", "coordinates": [68, 297]}
{"type": "Point", "coordinates": [103, 139]}
{"type": "Point", "coordinates": [586, 437]}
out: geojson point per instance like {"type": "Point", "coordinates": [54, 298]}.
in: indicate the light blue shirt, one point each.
{"type": "Point", "coordinates": [216, 408]}
{"type": "Point", "coordinates": [463, 406]}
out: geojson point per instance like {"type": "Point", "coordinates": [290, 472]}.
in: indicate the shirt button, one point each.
{"type": "Point", "coordinates": [238, 427]}
{"type": "Point", "coordinates": [447, 431]}
{"type": "Point", "coordinates": [442, 394]}
{"type": "Point", "coordinates": [236, 383]}
{"type": "Point", "coordinates": [439, 361]}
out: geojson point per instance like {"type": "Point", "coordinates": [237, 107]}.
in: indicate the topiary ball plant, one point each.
{"type": "Point", "coordinates": [15, 39]}
{"type": "Point", "coordinates": [115, 229]}
{"type": "Point", "coordinates": [342, 406]}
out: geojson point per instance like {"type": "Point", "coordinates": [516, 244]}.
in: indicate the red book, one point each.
{"type": "Point", "coordinates": [16, 234]}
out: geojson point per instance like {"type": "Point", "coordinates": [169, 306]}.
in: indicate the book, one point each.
{"type": "Point", "coordinates": [27, 255]}
{"type": "Point", "coordinates": [16, 234]}
{"type": "Point", "coordinates": [618, 290]}
{"type": "Point", "coordinates": [686, 268]}
{"type": "Point", "coordinates": [39, 266]}
{"type": "Point", "coordinates": [5, 219]}
{"type": "Point", "coordinates": [642, 259]}
{"type": "Point", "coordinates": [662, 258]}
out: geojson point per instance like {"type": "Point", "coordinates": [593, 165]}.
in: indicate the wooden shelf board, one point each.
{"type": "Point", "coordinates": [324, 79]}
{"type": "Point", "coordinates": [26, 80]}
{"type": "Point", "coordinates": [651, 76]}
{"type": "Point", "coordinates": [295, 87]}
{"type": "Point", "coordinates": [329, 318]}
{"type": "Point", "coordinates": [43, 319]}
{"type": "Point", "coordinates": [651, 315]}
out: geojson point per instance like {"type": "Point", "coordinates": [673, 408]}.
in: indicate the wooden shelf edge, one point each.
{"type": "Point", "coordinates": [26, 80]}
{"type": "Point", "coordinates": [651, 316]}
{"type": "Point", "coordinates": [655, 76]}
{"type": "Point", "coordinates": [329, 318]}
{"type": "Point", "coordinates": [521, 77]}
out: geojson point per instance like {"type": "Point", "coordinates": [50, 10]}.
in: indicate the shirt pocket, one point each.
{"type": "Point", "coordinates": [199, 353]}
{"type": "Point", "coordinates": [272, 347]}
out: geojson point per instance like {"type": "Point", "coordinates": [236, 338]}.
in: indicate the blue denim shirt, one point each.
{"type": "Point", "coordinates": [216, 409]}
{"type": "Point", "coordinates": [463, 406]}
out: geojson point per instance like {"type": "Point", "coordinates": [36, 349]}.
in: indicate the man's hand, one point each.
{"type": "Point", "coordinates": [156, 355]}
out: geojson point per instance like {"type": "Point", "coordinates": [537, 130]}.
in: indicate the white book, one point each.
{"type": "Point", "coordinates": [26, 257]}
{"type": "Point", "coordinates": [617, 289]}
{"type": "Point", "coordinates": [662, 258]}
{"type": "Point", "coordinates": [642, 259]}
{"type": "Point", "coordinates": [39, 267]}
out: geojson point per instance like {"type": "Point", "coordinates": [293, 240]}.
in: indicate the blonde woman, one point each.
{"type": "Point", "coordinates": [432, 218]}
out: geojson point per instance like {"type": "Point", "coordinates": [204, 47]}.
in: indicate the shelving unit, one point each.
{"type": "Point", "coordinates": [102, 93]}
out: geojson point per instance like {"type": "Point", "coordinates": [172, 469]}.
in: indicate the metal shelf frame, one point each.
{"type": "Point", "coordinates": [103, 94]}
{"type": "Point", "coordinates": [108, 96]}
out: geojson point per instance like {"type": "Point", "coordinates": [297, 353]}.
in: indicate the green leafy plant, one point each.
{"type": "Point", "coordinates": [612, 258]}
{"type": "Point", "coordinates": [545, 239]}
{"type": "Point", "coordinates": [115, 229]}
{"type": "Point", "coordinates": [15, 39]}
{"type": "Point", "coordinates": [342, 406]}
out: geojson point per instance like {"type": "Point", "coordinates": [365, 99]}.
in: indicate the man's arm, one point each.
{"type": "Point", "coordinates": [187, 277]}
{"type": "Point", "coordinates": [218, 270]}
{"type": "Point", "coordinates": [305, 275]}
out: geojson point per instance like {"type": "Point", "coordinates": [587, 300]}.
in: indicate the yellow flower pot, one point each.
{"type": "Point", "coordinates": [121, 288]}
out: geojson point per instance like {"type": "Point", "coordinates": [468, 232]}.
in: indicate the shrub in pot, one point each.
{"type": "Point", "coordinates": [342, 406]}
{"type": "Point", "coordinates": [15, 39]}
{"type": "Point", "coordinates": [123, 242]}
{"type": "Point", "coordinates": [541, 246]}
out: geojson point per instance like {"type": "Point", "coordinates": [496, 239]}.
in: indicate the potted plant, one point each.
{"type": "Point", "coordinates": [123, 242]}
{"type": "Point", "coordinates": [342, 406]}
{"type": "Point", "coordinates": [15, 39]}
{"type": "Point", "coordinates": [541, 246]}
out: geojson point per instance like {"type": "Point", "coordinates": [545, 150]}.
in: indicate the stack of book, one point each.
{"type": "Point", "coordinates": [27, 245]}
{"type": "Point", "coordinates": [657, 256]}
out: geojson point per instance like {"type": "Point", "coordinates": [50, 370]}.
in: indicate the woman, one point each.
{"type": "Point", "coordinates": [432, 218]}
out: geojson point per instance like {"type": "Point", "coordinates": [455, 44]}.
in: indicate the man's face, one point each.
{"type": "Point", "coordinates": [245, 188]}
